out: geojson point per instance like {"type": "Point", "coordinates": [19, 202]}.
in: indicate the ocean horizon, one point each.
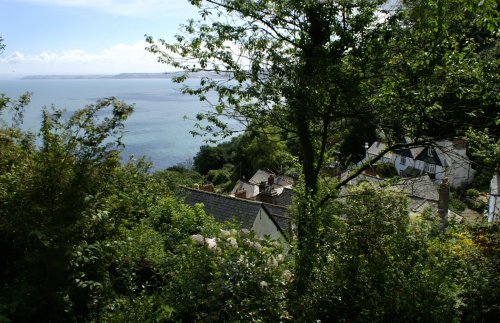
{"type": "Point", "coordinates": [159, 128]}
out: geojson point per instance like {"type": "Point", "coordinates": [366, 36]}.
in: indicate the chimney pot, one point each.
{"type": "Point", "coordinates": [242, 193]}
{"type": "Point", "coordinates": [444, 195]}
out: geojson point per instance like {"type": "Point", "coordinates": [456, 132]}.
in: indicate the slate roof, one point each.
{"type": "Point", "coordinates": [285, 198]}
{"type": "Point", "coordinates": [227, 208]}
{"type": "Point", "coordinates": [436, 154]}
{"type": "Point", "coordinates": [259, 176]}
{"type": "Point", "coordinates": [415, 151]}
{"type": "Point", "coordinates": [419, 187]}
{"type": "Point", "coordinates": [280, 215]}
{"type": "Point", "coordinates": [262, 176]}
{"type": "Point", "coordinates": [420, 190]}
{"type": "Point", "coordinates": [404, 152]}
{"type": "Point", "coordinates": [252, 189]}
{"type": "Point", "coordinates": [377, 147]}
{"type": "Point", "coordinates": [495, 185]}
{"type": "Point", "coordinates": [430, 156]}
{"type": "Point", "coordinates": [419, 205]}
{"type": "Point", "coordinates": [360, 178]}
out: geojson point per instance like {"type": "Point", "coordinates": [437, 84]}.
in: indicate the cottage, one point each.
{"type": "Point", "coordinates": [264, 219]}
{"type": "Point", "coordinates": [440, 159]}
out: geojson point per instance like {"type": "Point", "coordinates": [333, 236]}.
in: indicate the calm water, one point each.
{"type": "Point", "coordinates": [157, 128]}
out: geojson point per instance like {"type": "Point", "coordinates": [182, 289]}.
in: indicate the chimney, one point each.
{"type": "Point", "coordinates": [262, 186]}
{"type": "Point", "coordinates": [209, 187]}
{"type": "Point", "coordinates": [267, 197]}
{"type": "Point", "coordinates": [270, 180]}
{"type": "Point", "coordinates": [241, 193]}
{"type": "Point", "coordinates": [444, 194]}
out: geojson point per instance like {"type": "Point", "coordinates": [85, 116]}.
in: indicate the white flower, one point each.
{"type": "Point", "coordinates": [272, 262]}
{"type": "Point", "coordinates": [287, 275]}
{"type": "Point", "coordinates": [233, 243]}
{"type": "Point", "coordinates": [225, 233]}
{"type": "Point", "coordinates": [263, 284]}
{"type": "Point", "coordinates": [211, 243]}
{"type": "Point", "coordinates": [198, 238]}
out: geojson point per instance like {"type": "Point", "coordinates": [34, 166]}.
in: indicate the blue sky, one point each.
{"type": "Point", "coordinates": [85, 36]}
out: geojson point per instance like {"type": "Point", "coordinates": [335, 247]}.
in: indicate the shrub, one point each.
{"type": "Point", "coordinates": [473, 193]}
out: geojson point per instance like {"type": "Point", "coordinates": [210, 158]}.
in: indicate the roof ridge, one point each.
{"type": "Point", "coordinates": [221, 195]}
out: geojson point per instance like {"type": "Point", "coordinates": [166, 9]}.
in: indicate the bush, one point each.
{"type": "Point", "coordinates": [455, 203]}
{"type": "Point", "coordinates": [473, 193]}
{"type": "Point", "coordinates": [386, 170]}
{"type": "Point", "coordinates": [377, 264]}
{"type": "Point", "coordinates": [229, 277]}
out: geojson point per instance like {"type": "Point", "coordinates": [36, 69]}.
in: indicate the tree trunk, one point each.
{"type": "Point", "coordinates": [304, 111]}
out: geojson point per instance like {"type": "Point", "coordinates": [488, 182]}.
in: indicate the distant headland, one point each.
{"type": "Point", "coordinates": [167, 75]}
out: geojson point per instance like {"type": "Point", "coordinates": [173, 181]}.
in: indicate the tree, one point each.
{"type": "Point", "coordinates": [311, 68]}
{"type": "Point", "coordinates": [438, 76]}
{"type": "Point", "coordinates": [295, 65]}
{"type": "Point", "coordinates": [209, 158]}
{"type": "Point", "coordinates": [46, 191]}
{"type": "Point", "coordinates": [2, 45]}
{"type": "Point", "coordinates": [378, 263]}
{"type": "Point", "coordinates": [259, 149]}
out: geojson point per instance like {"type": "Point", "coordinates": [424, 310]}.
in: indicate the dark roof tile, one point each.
{"type": "Point", "coordinates": [227, 208]}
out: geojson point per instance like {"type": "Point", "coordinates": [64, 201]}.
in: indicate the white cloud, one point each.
{"type": "Point", "coordinates": [14, 58]}
{"type": "Point", "coordinates": [116, 59]}
{"type": "Point", "coordinates": [121, 7]}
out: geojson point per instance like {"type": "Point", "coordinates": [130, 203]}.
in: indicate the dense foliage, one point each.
{"type": "Point", "coordinates": [84, 237]}
{"type": "Point", "coordinates": [87, 239]}
{"type": "Point", "coordinates": [317, 70]}
{"type": "Point", "coordinates": [242, 156]}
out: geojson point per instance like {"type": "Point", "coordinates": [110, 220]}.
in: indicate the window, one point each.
{"type": "Point", "coordinates": [402, 161]}
{"type": "Point", "coordinates": [429, 168]}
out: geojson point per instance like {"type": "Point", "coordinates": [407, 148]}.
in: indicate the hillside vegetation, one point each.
{"type": "Point", "coordinates": [84, 237]}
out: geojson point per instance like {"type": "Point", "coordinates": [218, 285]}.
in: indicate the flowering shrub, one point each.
{"type": "Point", "coordinates": [232, 276]}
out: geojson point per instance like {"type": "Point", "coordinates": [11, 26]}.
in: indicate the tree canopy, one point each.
{"type": "Point", "coordinates": [312, 68]}
{"type": "Point", "coordinates": [84, 237]}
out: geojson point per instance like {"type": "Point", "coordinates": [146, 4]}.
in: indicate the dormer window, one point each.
{"type": "Point", "coordinates": [429, 151]}
{"type": "Point", "coordinates": [402, 161]}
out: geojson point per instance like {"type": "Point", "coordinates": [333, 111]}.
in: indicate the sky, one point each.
{"type": "Point", "coordinates": [86, 36]}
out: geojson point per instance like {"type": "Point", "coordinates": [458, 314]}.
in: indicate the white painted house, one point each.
{"type": "Point", "coordinates": [494, 201]}
{"type": "Point", "coordinates": [442, 158]}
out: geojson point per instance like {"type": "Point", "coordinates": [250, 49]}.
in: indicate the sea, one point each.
{"type": "Point", "coordinates": [159, 128]}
